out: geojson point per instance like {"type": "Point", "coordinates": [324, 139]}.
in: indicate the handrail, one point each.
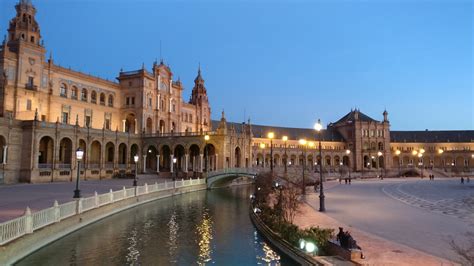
{"type": "Point", "coordinates": [30, 222]}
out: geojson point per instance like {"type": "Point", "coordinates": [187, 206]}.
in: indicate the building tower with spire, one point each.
{"type": "Point", "coordinates": [200, 100]}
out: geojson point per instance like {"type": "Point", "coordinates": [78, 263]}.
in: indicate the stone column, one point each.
{"type": "Point", "coordinates": [144, 164]}
{"type": "Point", "coordinates": [123, 125]}
{"type": "Point", "coordinates": [157, 163]}
{"type": "Point", "coordinates": [216, 161]}
{"type": "Point", "coordinates": [5, 154]}
{"type": "Point", "coordinates": [186, 163]}
{"type": "Point", "coordinates": [201, 161]}
{"type": "Point", "coordinates": [136, 126]}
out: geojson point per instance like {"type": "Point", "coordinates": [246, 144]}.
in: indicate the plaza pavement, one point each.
{"type": "Point", "coordinates": [412, 226]}
{"type": "Point", "coordinates": [15, 198]}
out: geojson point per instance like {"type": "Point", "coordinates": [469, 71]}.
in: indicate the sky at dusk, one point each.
{"type": "Point", "coordinates": [284, 63]}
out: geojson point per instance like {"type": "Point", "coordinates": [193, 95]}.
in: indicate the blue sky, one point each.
{"type": "Point", "coordinates": [283, 63]}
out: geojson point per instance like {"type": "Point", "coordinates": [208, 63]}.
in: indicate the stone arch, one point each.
{"type": "Point", "coordinates": [93, 97]}
{"type": "Point", "coordinates": [380, 163]}
{"type": "Point", "coordinates": [178, 153]}
{"type": "Point", "coordinates": [292, 161]}
{"type": "Point", "coordinates": [259, 159]}
{"type": "Point", "coordinates": [366, 161]}
{"type": "Point", "coordinates": [46, 150]}
{"type": "Point", "coordinates": [3, 146]}
{"type": "Point", "coordinates": [327, 160]}
{"type": "Point", "coordinates": [337, 160]}
{"type": "Point", "coordinates": [209, 155]}
{"type": "Point", "coordinates": [237, 157]}
{"type": "Point", "coordinates": [149, 125]}
{"type": "Point", "coordinates": [151, 153]}
{"type": "Point", "coordinates": [449, 161]}
{"type": "Point", "coordinates": [165, 163]}
{"type": "Point", "coordinates": [346, 161]}
{"type": "Point", "coordinates": [65, 153]}
{"type": "Point", "coordinates": [83, 147]}
{"type": "Point", "coordinates": [95, 154]}
{"type": "Point", "coordinates": [63, 90]}
{"type": "Point", "coordinates": [84, 95]}
{"type": "Point", "coordinates": [134, 151]}
{"type": "Point", "coordinates": [130, 123]}
{"type": "Point", "coordinates": [74, 92]}
{"type": "Point", "coordinates": [102, 98]}
{"type": "Point", "coordinates": [109, 152]}
{"type": "Point", "coordinates": [122, 154]}
{"type": "Point", "coordinates": [193, 157]}
{"type": "Point", "coordinates": [460, 161]}
{"type": "Point", "coordinates": [365, 146]}
{"type": "Point", "coordinates": [111, 101]}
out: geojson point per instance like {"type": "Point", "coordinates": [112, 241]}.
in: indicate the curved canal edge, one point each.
{"type": "Point", "coordinates": [282, 245]}
{"type": "Point", "coordinates": [22, 247]}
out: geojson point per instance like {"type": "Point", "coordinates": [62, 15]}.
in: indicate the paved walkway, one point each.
{"type": "Point", "coordinates": [15, 198]}
{"type": "Point", "coordinates": [377, 251]}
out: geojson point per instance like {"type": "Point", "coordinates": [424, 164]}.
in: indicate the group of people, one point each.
{"type": "Point", "coordinates": [467, 180]}
{"type": "Point", "coordinates": [431, 177]}
{"type": "Point", "coordinates": [347, 180]}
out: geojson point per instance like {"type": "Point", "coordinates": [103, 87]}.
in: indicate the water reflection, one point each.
{"type": "Point", "coordinates": [210, 227]}
{"type": "Point", "coordinates": [204, 230]}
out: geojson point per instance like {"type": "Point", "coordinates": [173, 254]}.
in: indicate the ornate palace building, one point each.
{"type": "Point", "coordinates": [48, 111]}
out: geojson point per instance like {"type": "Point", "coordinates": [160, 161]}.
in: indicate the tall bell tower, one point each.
{"type": "Point", "coordinates": [22, 62]}
{"type": "Point", "coordinates": [200, 100]}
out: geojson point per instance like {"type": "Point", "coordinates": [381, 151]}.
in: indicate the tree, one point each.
{"type": "Point", "coordinates": [290, 202]}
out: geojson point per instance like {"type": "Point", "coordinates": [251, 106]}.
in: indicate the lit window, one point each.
{"type": "Point", "coordinates": [63, 90]}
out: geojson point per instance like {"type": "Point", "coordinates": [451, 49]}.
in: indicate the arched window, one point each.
{"type": "Point", "coordinates": [102, 98]}
{"type": "Point", "coordinates": [84, 95]}
{"type": "Point", "coordinates": [63, 90]}
{"type": "Point", "coordinates": [74, 92]}
{"type": "Point", "coordinates": [111, 101]}
{"type": "Point", "coordinates": [93, 97]}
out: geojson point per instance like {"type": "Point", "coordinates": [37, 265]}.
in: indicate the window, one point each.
{"type": "Point", "coordinates": [28, 105]}
{"type": "Point", "coordinates": [128, 101]}
{"type": "Point", "coordinates": [174, 107]}
{"type": "Point", "coordinates": [190, 118]}
{"type": "Point", "coordinates": [111, 100]}
{"type": "Point", "coordinates": [74, 93]}
{"type": "Point", "coordinates": [162, 104]}
{"type": "Point", "coordinates": [102, 99]}
{"type": "Point", "coordinates": [149, 102]}
{"type": "Point", "coordinates": [107, 123]}
{"type": "Point", "coordinates": [31, 82]}
{"type": "Point", "coordinates": [93, 97]}
{"type": "Point", "coordinates": [88, 121]}
{"type": "Point", "coordinates": [84, 95]}
{"type": "Point", "coordinates": [65, 117]}
{"type": "Point", "coordinates": [133, 100]}
{"type": "Point", "coordinates": [63, 90]}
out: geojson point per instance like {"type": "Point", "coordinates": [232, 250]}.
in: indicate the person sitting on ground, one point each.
{"type": "Point", "coordinates": [340, 235]}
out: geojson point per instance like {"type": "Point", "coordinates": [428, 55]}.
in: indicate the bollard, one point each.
{"type": "Point", "coordinates": [96, 199]}
{"type": "Point", "coordinates": [146, 188]}
{"type": "Point", "coordinates": [28, 221]}
{"type": "Point", "coordinates": [111, 195]}
{"type": "Point", "coordinates": [57, 211]}
{"type": "Point", "coordinates": [124, 192]}
{"type": "Point", "coordinates": [79, 206]}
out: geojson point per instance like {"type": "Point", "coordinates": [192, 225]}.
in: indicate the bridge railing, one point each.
{"type": "Point", "coordinates": [236, 170]}
{"type": "Point", "coordinates": [30, 222]}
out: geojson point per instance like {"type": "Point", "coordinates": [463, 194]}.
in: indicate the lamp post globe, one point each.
{"type": "Point", "coordinates": [79, 156]}
{"type": "Point", "coordinates": [135, 159]}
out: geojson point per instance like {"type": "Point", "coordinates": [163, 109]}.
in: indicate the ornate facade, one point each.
{"type": "Point", "coordinates": [48, 111]}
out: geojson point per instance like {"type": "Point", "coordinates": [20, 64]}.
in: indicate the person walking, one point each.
{"type": "Point", "coordinates": [462, 180]}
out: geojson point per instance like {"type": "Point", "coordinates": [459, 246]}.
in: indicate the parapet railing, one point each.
{"type": "Point", "coordinates": [231, 171]}
{"type": "Point", "coordinates": [30, 222]}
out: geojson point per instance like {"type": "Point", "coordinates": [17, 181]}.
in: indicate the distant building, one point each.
{"type": "Point", "coordinates": [47, 112]}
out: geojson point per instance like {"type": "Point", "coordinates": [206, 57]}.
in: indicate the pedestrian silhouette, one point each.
{"type": "Point", "coordinates": [462, 180]}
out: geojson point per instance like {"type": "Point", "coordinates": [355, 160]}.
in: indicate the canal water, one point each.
{"type": "Point", "coordinates": [206, 227]}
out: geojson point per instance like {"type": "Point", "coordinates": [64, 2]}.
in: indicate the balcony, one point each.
{"type": "Point", "coordinates": [30, 86]}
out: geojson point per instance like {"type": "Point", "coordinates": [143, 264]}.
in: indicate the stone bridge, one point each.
{"type": "Point", "coordinates": [219, 177]}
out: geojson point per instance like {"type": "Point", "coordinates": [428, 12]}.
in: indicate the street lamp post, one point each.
{"type": "Point", "coordinates": [285, 139]}
{"type": "Point", "coordinates": [176, 170]}
{"type": "Point", "coordinates": [420, 163]}
{"type": "Point", "coordinates": [79, 155]}
{"type": "Point", "coordinates": [378, 163]}
{"type": "Point", "coordinates": [318, 128]}
{"type": "Point", "coordinates": [303, 153]}
{"type": "Point", "coordinates": [262, 147]}
{"type": "Point", "coordinates": [348, 152]}
{"type": "Point", "coordinates": [135, 159]}
{"type": "Point", "coordinates": [206, 151]}
{"type": "Point", "coordinates": [271, 135]}
{"type": "Point", "coordinates": [398, 152]}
